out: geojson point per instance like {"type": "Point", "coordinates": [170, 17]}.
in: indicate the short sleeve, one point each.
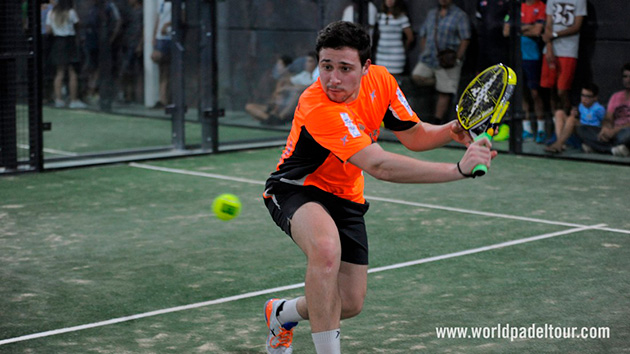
{"type": "Point", "coordinates": [541, 14]}
{"type": "Point", "coordinates": [581, 9]}
{"type": "Point", "coordinates": [613, 103]}
{"type": "Point", "coordinates": [73, 17]}
{"type": "Point", "coordinates": [404, 22]}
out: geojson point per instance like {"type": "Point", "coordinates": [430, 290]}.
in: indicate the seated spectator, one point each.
{"type": "Point", "coordinates": [284, 99]}
{"type": "Point", "coordinates": [589, 114]}
{"type": "Point", "coordinates": [614, 135]}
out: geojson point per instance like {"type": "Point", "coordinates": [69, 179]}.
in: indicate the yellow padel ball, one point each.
{"type": "Point", "coordinates": [226, 206]}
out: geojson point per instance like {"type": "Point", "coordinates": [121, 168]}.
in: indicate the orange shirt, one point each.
{"type": "Point", "coordinates": [325, 134]}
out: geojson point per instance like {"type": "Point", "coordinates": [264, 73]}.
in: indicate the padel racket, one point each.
{"type": "Point", "coordinates": [483, 104]}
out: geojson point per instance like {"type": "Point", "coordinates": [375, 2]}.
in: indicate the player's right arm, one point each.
{"type": "Point", "coordinates": [387, 166]}
{"type": "Point", "coordinates": [425, 136]}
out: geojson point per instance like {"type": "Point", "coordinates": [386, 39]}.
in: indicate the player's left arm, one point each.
{"type": "Point", "coordinates": [391, 167]}
{"type": "Point", "coordinates": [425, 136]}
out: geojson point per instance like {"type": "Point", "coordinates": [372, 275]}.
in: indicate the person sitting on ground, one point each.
{"type": "Point", "coordinates": [285, 96]}
{"type": "Point", "coordinates": [614, 135]}
{"type": "Point", "coordinates": [589, 113]}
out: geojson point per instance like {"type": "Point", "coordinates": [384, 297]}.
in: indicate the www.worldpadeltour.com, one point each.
{"type": "Point", "coordinates": [533, 331]}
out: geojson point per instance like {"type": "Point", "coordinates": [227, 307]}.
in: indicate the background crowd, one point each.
{"type": "Point", "coordinates": [95, 57]}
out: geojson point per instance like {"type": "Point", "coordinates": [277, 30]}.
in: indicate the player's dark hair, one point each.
{"type": "Point", "coordinates": [591, 87]}
{"type": "Point", "coordinates": [342, 34]}
{"type": "Point", "coordinates": [625, 67]}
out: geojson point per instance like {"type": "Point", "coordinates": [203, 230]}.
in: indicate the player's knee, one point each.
{"type": "Point", "coordinates": [326, 256]}
{"type": "Point", "coordinates": [352, 307]}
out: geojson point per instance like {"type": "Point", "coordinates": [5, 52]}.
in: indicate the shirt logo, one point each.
{"type": "Point", "coordinates": [373, 95]}
{"type": "Point", "coordinates": [352, 128]}
{"type": "Point", "coordinates": [344, 140]}
{"type": "Point", "coordinates": [403, 101]}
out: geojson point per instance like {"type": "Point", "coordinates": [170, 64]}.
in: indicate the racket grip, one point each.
{"type": "Point", "coordinates": [481, 169]}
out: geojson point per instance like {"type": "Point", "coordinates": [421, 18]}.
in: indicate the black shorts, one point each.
{"type": "Point", "coordinates": [283, 200]}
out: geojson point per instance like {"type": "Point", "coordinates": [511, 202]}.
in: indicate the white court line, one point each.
{"type": "Point", "coordinates": [289, 287]}
{"type": "Point", "coordinates": [576, 228]}
{"type": "Point", "coordinates": [388, 200]}
{"type": "Point", "coordinates": [51, 151]}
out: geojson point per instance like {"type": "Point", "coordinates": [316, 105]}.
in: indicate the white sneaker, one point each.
{"type": "Point", "coordinates": [620, 150]}
{"type": "Point", "coordinates": [280, 335]}
{"type": "Point", "coordinates": [77, 104]}
{"type": "Point", "coordinates": [60, 103]}
{"type": "Point", "coordinates": [587, 149]}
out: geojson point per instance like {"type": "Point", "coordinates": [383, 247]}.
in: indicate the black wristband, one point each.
{"type": "Point", "coordinates": [462, 172]}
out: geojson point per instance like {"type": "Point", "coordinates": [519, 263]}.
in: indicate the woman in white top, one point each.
{"type": "Point", "coordinates": [391, 50]}
{"type": "Point", "coordinates": [61, 21]}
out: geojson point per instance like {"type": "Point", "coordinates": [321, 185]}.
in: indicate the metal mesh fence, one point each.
{"type": "Point", "coordinates": [217, 91]}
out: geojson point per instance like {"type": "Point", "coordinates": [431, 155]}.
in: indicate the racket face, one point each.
{"type": "Point", "coordinates": [482, 96]}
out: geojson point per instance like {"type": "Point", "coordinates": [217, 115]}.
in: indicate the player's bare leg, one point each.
{"type": "Point", "coordinates": [333, 288]}
{"type": "Point", "coordinates": [316, 234]}
{"type": "Point", "coordinates": [352, 288]}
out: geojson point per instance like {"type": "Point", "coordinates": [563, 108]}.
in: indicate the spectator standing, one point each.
{"type": "Point", "coordinates": [562, 40]}
{"type": "Point", "coordinates": [132, 69]}
{"type": "Point", "coordinates": [102, 30]}
{"type": "Point", "coordinates": [493, 47]}
{"type": "Point", "coordinates": [614, 135]}
{"type": "Point", "coordinates": [162, 49]}
{"type": "Point", "coordinates": [533, 18]}
{"type": "Point", "coordinates": [62, 21]}
{"type": "Point", "coordinates": [446, 28]}
{"type": "Point", "coordinates": [395, 36]}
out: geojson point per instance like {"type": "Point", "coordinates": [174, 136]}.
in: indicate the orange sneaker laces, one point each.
{"type": "Point", "coordinates": [284, 338]}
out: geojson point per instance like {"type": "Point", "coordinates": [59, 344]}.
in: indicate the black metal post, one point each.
{"type": "Point", "coordinates": [516, 102]}
{"type": "Point", "coordinates": [178, 108]}
{"type": "Point", "coordinates": [35, 80]}
{"type": "Point", "coordinates": [209, 81]}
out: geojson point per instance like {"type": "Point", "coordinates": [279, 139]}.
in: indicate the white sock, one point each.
{"type": "Point", "coordinates": [541, 125]}
{"type": "Point", "coordinates": [289, 312]}
{"type": "Point", "coordinates": [328, 342]}
{"type": "Point", "coordinates": [527, 126]}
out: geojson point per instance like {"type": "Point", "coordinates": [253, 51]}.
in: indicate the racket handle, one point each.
{"type": "Point", "coordinates": [481, 169]}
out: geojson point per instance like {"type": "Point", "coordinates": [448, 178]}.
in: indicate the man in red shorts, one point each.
{"type": "Point", "coordinates": [562, 39]}
{"type": "Point", "coordinates": [316, 193]}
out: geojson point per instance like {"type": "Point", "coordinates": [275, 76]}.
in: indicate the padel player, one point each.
{"type": "Point", "coordinates": [316, 193]}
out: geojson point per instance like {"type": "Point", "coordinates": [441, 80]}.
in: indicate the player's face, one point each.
{"type": "Point", "coordinates": [340, 73]}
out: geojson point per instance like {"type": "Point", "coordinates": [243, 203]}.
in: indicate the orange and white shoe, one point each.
{"type": "Point", "coordinates": [280, 335]}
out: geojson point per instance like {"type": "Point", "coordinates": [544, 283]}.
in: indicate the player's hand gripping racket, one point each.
{"type": "Point", "coordinates": [483, 104]}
